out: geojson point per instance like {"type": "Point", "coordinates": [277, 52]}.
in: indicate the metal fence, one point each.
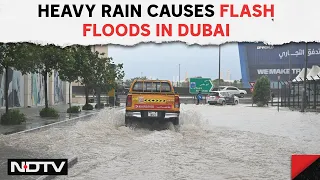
{"type": "Point", "coordinates": [291, 94]}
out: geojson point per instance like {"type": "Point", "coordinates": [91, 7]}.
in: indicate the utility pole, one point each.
{"type": "Point", "coordinates": [179, 76]}
{"type": "Point", "coordinates": [290, 76]}
{"type": "Point", "coordinates": [219, 66]}
{"type": "Point", "coordinates": [290, 68]}
{"type": "Point", "coordinates": [278, 91]}
{"type": "Point", "coordinates": [305, 79]}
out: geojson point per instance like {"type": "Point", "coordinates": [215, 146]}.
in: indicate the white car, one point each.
{"type": "Point", "coordinates": [232, 90]}
{"type": "Point", "coordinates": [222, 98]}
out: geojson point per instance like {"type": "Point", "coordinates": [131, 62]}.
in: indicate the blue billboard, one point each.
{"type": "Point", "coordinates": [257, 59]}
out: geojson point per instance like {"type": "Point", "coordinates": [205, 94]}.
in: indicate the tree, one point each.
{"type": "Point", "coordinates": [16, 56]}
{"type": "Point", "coordinates": [86, 59]}
{"type": "Point", "coordinates": [241, 83]}
{"type": "Point", "coordinates": [261, 91]}
{"type": "Point", "coordinates": [235, 83]}
{"type": "Point", "coordinates": [106, 74]}
{"type": "Point", "coordinates": [216, 82]}
{"type": "Point", "coordinates": [69, 68]}
{"type": "Point", "coordinates": [118, 75]}
{"type": "Point", "coordinates": [101, 73]}
{"type": "Point", "coordinates": [47, 59]}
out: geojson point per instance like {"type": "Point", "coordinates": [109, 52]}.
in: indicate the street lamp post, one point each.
{"type": "Point", "coordinates": [290, 76]}
{"type": "Point", "coordinates": [219, 66]}
{"type": "Point", "coordinates": [290, 68]}
{"type": "Point", "coordinates": [305, 79]}
{"type": "Point", "coordinates": [179, 76]}
{"type": "Point", "coordinates": [278, 90]}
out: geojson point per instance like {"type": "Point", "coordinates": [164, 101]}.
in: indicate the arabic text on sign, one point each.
{"type": "Point", "coordinates": [300, 52]}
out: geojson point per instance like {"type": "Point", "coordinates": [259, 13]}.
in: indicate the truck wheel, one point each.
{"type": "Point", "coordinates": [127, 121]}
{"type": "Point", "coordinates": [223, 103]}
{"type": "Point", "coordinates": [175, 121]}
{"type": "Point", "coordinates": [236, 102]}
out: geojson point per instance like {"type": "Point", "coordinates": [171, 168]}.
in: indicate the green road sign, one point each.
{"type": "Point", "coordinates": [200, 84]}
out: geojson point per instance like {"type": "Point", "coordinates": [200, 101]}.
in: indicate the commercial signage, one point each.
{"type": "Point", "coordinates": [257, 59]}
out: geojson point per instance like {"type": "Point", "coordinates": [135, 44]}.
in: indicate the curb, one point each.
{"type": "Point", "coordinates": [53, 124]}
{"type": "Point", "coordinates": [60, 122]}
{"type": "Point", "coordinates": [71, 162]}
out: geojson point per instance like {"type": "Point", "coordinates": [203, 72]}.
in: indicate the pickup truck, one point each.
{"type": "Point", "coordinates": [152, 100]}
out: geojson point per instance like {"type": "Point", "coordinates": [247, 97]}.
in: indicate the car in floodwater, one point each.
{"type": "Point", "coordinates": [222, 98]}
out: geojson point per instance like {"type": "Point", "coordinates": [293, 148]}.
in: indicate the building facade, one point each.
{"type": "Point", "coordinates": [286, 61]}
{"type": "Point", "coordinates": [28, 90]}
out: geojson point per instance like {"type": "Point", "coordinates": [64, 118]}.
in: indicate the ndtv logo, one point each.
{"type": "Point", "coordinates": [265, 47]}
{"type": "Point", "coordinates": [37, 167]}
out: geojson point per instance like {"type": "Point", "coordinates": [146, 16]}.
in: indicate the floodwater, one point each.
{"type": "Point", "coordinates": [213, 142]}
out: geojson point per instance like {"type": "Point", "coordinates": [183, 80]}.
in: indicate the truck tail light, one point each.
{"type": "Point", "coordinates": [129, 101]}
{"type": "Point", "coordinates": [176, 102]}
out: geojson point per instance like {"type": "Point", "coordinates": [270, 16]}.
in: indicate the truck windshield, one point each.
{"type": "Point", "coordinates": [151, 87]}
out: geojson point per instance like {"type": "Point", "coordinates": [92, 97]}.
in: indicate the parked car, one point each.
{"type": "Point", "coordinates": [232, 90]}
{"type": "Point", "coordinates": [222, 98]}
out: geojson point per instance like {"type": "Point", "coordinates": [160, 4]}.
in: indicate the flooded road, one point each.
{"type": "Point", "coordinates": [213, 142]}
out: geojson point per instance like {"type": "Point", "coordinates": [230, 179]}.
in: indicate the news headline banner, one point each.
{"type": "Point", "coordinates": [123, 22]}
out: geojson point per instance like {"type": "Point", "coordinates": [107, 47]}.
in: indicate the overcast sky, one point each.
{"type": "Point", "coordinates": [162, 60]}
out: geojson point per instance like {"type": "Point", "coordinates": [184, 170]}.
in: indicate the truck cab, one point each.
{"type": "Point", "coordinates": [152, 100]}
